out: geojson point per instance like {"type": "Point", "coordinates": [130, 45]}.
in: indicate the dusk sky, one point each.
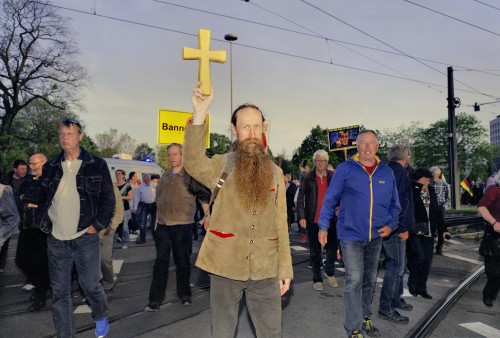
{"type": "Point", "coordinates": [379, 63]}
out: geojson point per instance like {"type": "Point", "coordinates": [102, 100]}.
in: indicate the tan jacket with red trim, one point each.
{"type": "Point", "coordinates": [240, 244]}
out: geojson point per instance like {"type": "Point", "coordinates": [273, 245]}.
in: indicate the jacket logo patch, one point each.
{"type": "Point", "coordinates": [381, 181]}
{"type": "Point", "coordinates": [221, 234]}
{"type": "Point", "coordinates": [273, 239]}
{"type": "Point", "coordinates": [272, 190]}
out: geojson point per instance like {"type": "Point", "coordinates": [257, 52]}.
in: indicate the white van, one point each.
{"type": "Point", "coordinates": [140, 167]}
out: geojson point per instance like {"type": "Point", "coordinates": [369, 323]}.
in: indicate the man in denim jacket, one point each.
{"type": "Point", "coordinates": [77, 203]}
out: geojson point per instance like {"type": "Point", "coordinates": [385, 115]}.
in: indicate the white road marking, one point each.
{"type": "Point", "coordinates": [465, 259]}
{"type": "Point", "coordinates": [482, 329]}
{"type": "Point", "coordinates": [298, 248]}
{"type": "Point", "coordinates": [82, 309]}
{"type": "Point", "coordinates": [117, 265]}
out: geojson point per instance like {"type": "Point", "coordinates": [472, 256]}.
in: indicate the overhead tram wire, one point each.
{"type": "Point", "coordinates": [451, 17]}
{"type": "Point", "coordinates": [476, 91]}
{"type": "Point", "coordinates": [484, 3]}
{"type": "Point", "coordinates": [349, 49]}
{"type": "Point", "coordinates": [312, 33]}
{"type": "Point", "coordinates": [252, 47]}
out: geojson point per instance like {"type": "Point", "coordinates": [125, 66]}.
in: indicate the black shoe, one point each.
{"type": "Point", "coordinates": [439, 251]}
{"type": "Point", "coordinates": [186, 300]}
{"type": "Point", "coordinates": [404, 305]}
{"type": "Point", "coordinates": [488, 302]}
{"type": "Point", "coordinates": [425, 295]}
{"type": "Point", "coordinates": [37, 305]}
{"type": "Point", "coordinates": [140, 241]}
{"type": "Point", "coordinates": [394, 317]}
{"type": "Point", "coordinates": [413, 293]}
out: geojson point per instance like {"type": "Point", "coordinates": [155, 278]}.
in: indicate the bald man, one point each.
{"type": "Point", "coordinates": [31, 255]}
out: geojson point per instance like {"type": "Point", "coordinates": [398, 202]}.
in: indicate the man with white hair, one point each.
{"type": "Point", "coordinates": [443, 197]}
{"type": "Point", "coordinates": [309, 202]}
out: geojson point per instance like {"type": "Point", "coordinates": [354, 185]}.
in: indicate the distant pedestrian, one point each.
{"type": "Point", "coordinates": [107, 238]}
{"type": "Point", "coordinates": [13, 179]}
{"type": "Point", "coordinates": [443, 200]}
{"type": "Point", "coordinates": [9, 216]}
{"type": "Point", "coordinates": [310, 200]}
{"type": "Point", "coordinates": [77, 202]}
{"type": "Point", "coordinates": [144, 201]}
{"type": "Point", "coordinates": [31, 253]}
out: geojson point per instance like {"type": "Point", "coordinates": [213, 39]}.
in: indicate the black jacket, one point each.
{"type": "Point", "coordinates": [421, 212]}
{"type": "Point", "coordinates": [307, 199]}
{"type": "Point", "coordinates": [29, 192]}
{"type": "Point", "coordinates": [94, 185]}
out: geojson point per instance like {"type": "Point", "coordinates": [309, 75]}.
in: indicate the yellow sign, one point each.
{"type": "Point", "coordinates": [172, 126]}
{"type": "Point", "coordinates": [204, 55]}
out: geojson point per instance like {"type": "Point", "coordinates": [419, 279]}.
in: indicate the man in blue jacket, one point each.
{"type": "Point", "coordinates": [364, 190]}
{"type": "Point", "coordinates": [77, 202]}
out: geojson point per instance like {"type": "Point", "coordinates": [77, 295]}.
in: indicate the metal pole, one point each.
{"type": "Point", "coordinates": [231, 38]}
{"type": "Point", "coordinates": [452, 142]}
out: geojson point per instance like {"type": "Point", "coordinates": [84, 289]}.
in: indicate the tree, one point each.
{"type": "Point", "coordinates": [112, 142]}
{"type": "Point", "coordinates": [143, 151]}
{"type": "Point", "coordinates": [219, 144]}
{"type": "Point", "coordinates": [37, 60]}
{"type": "Point", "coordinates": [35, 131]}
{"type": "Point", "coordinates": [317, 139]}
{"type": "Point", "coordinates": [429, 146]}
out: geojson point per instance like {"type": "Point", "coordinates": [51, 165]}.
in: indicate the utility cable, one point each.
{"type": "Point", "coordinates": [390, 46]}
{"type": "Point", "coordinates": [453, 18]}
{"type": "Point", "coordinates": [254, 47]}
{"type": "Point", "coordinates": [483, 3]}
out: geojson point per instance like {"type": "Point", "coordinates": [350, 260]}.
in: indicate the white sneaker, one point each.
{"type": "Point", "coordinates": [318, 286]}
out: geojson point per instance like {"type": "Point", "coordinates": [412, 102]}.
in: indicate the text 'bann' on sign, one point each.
{"type": "Point", "coordinates": [172, 126]}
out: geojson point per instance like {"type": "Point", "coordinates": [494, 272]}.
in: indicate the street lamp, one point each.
{"type": "Point", "coordinates": [231, 38]}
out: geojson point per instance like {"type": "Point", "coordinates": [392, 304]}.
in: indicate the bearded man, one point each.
{"type": "Point", "coordinates": [246, 249]}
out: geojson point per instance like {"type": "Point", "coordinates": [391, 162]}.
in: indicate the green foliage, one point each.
{"type": "Point", "coordinates": [429, 146]}
{"type": "Point", "coordinates": [143, 151]}
{"type": "Point", "coordinates": [162, 157]}
{"type": "Point", "coordinates": [112, 142]}
{"type": "Point", "coordinates": [35, 131]}
{"type": "Point", "coordinates": [219, 144]}
{"type": "Point", "coordinates": [317, 139]}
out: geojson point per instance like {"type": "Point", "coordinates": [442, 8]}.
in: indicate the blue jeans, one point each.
{"type": "Point", "coordinates": [178, 239]}
{"type": "Point", "coordinates": [392, 287]}
{"type": "Point", "coordinates": [361, 264]}
{"type": "Point", "coordinates": [145, 210]}
{"type": "Point", "coordinates": [84, 252]}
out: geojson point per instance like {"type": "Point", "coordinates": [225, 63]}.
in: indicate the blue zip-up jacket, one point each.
{"type": "Point", "coordinates": [366, 202]}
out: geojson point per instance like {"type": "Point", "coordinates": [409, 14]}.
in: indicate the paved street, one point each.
{"type": "Point", "coordinates": [306, 312]}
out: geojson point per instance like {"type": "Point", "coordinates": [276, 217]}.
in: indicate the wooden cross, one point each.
{"type": "Point", "coordinates": [205, 56]}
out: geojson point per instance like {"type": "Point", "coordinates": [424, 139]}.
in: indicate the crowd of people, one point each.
{"type": "Point", "coordinates": [70, 212]}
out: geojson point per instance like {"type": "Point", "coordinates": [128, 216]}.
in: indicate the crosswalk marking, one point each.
{"type": "Point", "coordinates": [298, 248]}
{"type": "Point", "coordinates": [482, 329]}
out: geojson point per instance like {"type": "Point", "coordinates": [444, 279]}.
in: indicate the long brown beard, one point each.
{"type": "Point", "coordinates": [253, 174]}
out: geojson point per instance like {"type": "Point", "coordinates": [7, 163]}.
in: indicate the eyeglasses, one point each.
{"type": "Point", "coordinates": [67, 121]}
{"type": "Point", "coordinates": [33, 163]}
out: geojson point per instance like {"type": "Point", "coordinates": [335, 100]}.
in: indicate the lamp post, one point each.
{"type": "Point", "coordinates": [231, 38]}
